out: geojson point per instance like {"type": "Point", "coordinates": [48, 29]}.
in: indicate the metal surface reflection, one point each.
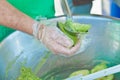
{"type": "Point", "coordinates": [20, 48]}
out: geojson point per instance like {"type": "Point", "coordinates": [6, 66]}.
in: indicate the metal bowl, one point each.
{"type": "Point", "coordinates": [20, 49]}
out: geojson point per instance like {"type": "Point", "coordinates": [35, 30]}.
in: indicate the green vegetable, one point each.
{"type": "Point", "coordinates": [77, 27]}
{"type": "Point", "coordinates": [99, 67]}
{"type": "Point", "coordinates": [74, 37]}
{"type": "Point", "coordinates": [109, 77]}
{"type": "Point", "coordinates": [27, 74]}
{"type": "Point", "coordinates": [73, 30]}
{"type": "Point", "coordinates": [83, 72]}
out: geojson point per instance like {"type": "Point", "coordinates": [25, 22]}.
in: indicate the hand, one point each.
{"type": "Point", "coordinates": [54, 39]}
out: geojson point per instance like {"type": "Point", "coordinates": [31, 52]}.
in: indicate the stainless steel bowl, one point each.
{"type": "Point", "coordinates": [20, 49]}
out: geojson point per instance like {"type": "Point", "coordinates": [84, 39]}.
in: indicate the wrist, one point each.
{"type": "Point", "coordinates": [25, 24]}
{"type": "Point", "coordinates": [38, 30]}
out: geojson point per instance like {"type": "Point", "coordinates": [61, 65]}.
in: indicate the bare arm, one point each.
{"type": "Point", "coordinates": [11, 17]}
{"type": "Point", "coordinates": [56, 42]}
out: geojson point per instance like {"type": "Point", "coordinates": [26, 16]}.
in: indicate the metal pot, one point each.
{"type": "Point", "coordinates": [20, 49]}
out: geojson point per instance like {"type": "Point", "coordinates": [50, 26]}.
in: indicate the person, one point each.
{"type": "Point", "coordinates": [21, 14]}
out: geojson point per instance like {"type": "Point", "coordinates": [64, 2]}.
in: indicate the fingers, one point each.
{"type": "Point", "coordinates": [64, 41]}
{"type": "Point", "coordinates": [59, 43]}
{"type": "Point", "coordinates": [74, 49]}
{"type": "Point", "coordinates": [70, 51]}
{"type": "Point", "coordinates": [59, 49]}
{"type": "Point", "coordinates": [61, 39]}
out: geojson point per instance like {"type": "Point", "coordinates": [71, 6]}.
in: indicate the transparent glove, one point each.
{"type": "Point", "coordinates": [47, 32]}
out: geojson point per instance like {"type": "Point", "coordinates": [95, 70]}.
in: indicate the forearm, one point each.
{"type": "Point", "coordinates": [11, 17]}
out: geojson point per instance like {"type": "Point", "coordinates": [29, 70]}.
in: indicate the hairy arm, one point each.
{"type": "Point", "coordinates": [13, 18]}
{"type": "Point", "coordinates": [54, 40]}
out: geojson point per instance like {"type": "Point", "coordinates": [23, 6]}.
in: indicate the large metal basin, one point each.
{"type": "Point", "coordinates": [20, 49]}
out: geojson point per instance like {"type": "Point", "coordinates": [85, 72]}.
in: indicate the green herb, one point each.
{"type": "Point", "coordinates": [98, 67]}
{"type": "Point", "coordinates": [69, 34]}
{"type": "Point", "coordinates": [83, 72]}
{"type": "Point", "coordinates": [73, 30]}
{"type": "Point", "coordinates": [76, 27]}
{"type": "Point", "coordinates": [27, 74]}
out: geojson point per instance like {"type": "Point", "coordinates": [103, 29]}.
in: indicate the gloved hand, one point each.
{"type": "Point", "coordinates": [47, 32]}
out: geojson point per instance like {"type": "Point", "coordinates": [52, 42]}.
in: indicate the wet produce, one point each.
{"type": "Point", "coordinates": [97, 68]}
{"type": "Point", "coordinates": [73, 30]}
{"type": "Point", "coordinates": [27, 74]}
{"type": "Point", "coordinates": [82, 72]}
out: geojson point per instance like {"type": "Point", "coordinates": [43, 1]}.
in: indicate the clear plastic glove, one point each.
{"type": "Point", "coordinates": [47, 32]}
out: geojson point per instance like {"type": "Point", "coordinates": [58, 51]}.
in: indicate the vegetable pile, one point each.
{"type": "Point", "coordinates": [98, 67]}
{"type": "Point", "coordinates": [101, 67]}
{"type": "Point", "coordinates": [27, 74]}
{"type": "Point", "coordinates": [73, 29]}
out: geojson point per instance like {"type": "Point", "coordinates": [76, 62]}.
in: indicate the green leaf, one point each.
{"type": "Point", "coordinates": [73, 30]}
{"type": "Point", "coordinates": [74, 37]}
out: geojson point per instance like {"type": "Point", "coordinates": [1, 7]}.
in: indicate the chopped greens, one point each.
{"type": "Point", "coordinates": [27, 74]}
{"type": "Point", "coordinates": [73, 30]}
{"type": "Point", "coordinates": [69, 34]}
{"type": "Point", "coordinates": [98, 67]}
{"type": "Point", "coordinates": [82, 72]}
{"type": "Point", "coordinates": [76, 27]}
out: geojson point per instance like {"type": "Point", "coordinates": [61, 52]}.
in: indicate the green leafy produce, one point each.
{"type": "Point", "coordinates": [83, 72]}
{"type": "Point", "coordinates": [73, 30]}
{"type": "Point", "coordinates": [74, 37]}
{"type": "Point", "coordinates": [76, 27]}
{"type": "Point", "coordinates": [109, 77]}
{"type": "Point", "coordinates": [99, 67]}
{"type": "Point", "coordinates": [27, 74]}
